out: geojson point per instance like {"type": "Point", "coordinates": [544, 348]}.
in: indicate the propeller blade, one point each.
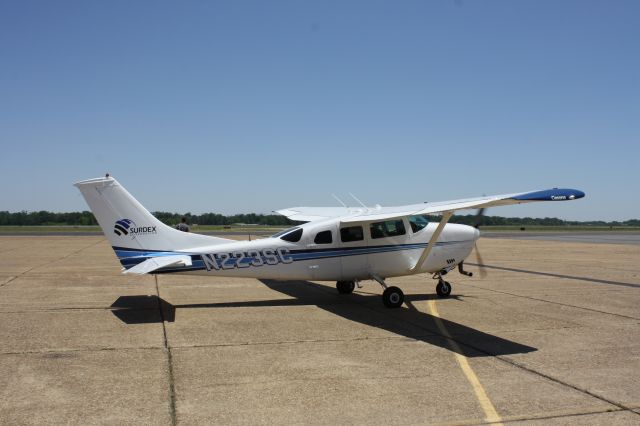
{"type": "Point", "coordinates": [481, 269]}
{"type": "Point", "coordinates": [478, 219]}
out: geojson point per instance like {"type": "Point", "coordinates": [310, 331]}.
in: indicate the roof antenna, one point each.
{"type": "Point", "coordinates": [355, 198]}
{"type": "Point", "coordinates": [339, 200]}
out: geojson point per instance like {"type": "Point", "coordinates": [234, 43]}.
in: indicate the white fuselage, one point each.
{"type": "Point", "coordinates": [313, 258]}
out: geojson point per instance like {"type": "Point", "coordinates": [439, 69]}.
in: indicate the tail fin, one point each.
{"type": "Point", "coordinates": [128, 225]}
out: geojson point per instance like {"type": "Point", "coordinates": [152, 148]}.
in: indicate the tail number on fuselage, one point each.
{"type": "Point", "coordinates": [246, 259]}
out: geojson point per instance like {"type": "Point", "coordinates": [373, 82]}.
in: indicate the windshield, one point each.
{"type": "Point", "coordinates": [418, 222]}
{"type": "Point", "coordinates": [285, 231]}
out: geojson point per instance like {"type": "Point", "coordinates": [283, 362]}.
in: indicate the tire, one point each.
{"type": "Point", "coordinates": [392, 297]}
{"type": "Point", "coordinates": [345, 287]}
{"type": "Point", "coordinates": [443, 289]}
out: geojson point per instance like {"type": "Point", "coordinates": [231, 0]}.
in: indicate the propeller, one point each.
{"type": "Point", "coordinates": [477, 220]}
{"type": "Point", "coordinates": [482, 271]}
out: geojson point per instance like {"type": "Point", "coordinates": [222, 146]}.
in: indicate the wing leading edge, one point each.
{"type": "Point", "coordinates": [356, 214]}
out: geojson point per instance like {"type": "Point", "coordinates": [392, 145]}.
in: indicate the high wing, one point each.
{"type": "Point", "coordinates": [158, 262]}
{"type": "Point", "coordinates": [356, 214]}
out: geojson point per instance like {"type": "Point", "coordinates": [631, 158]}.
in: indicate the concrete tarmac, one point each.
{"type": "Point", "coordinates": [550, 336]}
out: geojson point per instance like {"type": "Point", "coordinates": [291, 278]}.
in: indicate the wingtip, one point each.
{"type": "Point", "coordinates": [555, 194]}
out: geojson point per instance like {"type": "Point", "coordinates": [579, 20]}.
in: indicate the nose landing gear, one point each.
{"type": "Point", "coordinates": [443, 288]}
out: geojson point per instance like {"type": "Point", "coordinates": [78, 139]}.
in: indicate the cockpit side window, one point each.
{"type": "Point", "coordinates": [323, 237]}
{"type": "Point", "coordinates": [293, 236]}
{"type": "Point", "coordinates": [418, 222]}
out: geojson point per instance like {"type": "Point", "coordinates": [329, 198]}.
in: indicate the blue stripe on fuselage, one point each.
{"type": "Point", "coordinates": [130, 257]}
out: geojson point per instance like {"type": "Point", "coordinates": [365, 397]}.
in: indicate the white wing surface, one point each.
{"type": "Point", "coordinates": [356, 214]}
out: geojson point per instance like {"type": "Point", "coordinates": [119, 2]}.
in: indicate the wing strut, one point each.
{"type": "Point", "coordinates": [445, 218]}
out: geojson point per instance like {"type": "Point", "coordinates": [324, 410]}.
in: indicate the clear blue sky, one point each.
{"type": "Point", "coordinates": [250, 106]}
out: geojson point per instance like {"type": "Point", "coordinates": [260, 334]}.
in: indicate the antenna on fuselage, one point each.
{"type": "Point", "coordinates": [339, 200]}
{"type": "Point", "coordinates": [355, 198]}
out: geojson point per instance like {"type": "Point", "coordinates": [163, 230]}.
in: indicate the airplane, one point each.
{"type": "Point", "coordinates": [342, 244]}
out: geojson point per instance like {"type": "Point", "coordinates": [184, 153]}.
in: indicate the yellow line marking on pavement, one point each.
{"type": "Point", "coordinates": [489, 410]}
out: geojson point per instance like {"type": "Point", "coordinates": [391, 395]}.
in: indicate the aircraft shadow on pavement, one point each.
{"type": "Point", "coordinates": [365, 309]}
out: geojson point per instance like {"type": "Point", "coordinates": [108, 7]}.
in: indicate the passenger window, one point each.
{"type": "Point", "coordinates": [418, 222]}
{"type": "Point", "coordinates": [323, 237]}
{"type": "Point", "coordinates": [351, 233]}
{"type": "Point", "coordinates": [293, 236]}
{"type": "Point", "coordinates": [389, 228]}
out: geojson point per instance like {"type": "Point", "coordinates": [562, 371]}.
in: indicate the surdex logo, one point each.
{"type": "Point", "coordinates": [122, 226]}
{"type": "Point", "coordinates": [129, 227]}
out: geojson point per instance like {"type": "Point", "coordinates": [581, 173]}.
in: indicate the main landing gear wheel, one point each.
{"type": "Point", "coordinates": [345, 287]}
{"type": "Point", "coordinates": [443, 288]}
{"type": "Point", "coordinates": [392, 297]}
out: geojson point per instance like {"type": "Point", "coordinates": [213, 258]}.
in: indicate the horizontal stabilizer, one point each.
{"type": "Point", "coordinates": [155, 263]}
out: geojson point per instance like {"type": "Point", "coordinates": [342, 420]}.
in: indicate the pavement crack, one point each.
{"type": "Point", "coordinates": [518, 330]}
{"type": "Point", "coordinates": [50, 263]}
{"type": "Point", "coordinates": [550, 274]}
{"type": "Point", "coordinates": [303, 341]}
{"type": "Point", "coordinates": [172, 392]}
{"type": "Point", "coordinates": [250, 382]}
{"type": "Point", "coordinates": [20, 275]}
{"type": "Point", "coordinates": [524, 418]}
{"type": "Point", "coordinates": [102, 349]}
{"type": "Point", "coordinates": [13, 278]}
{"type": "Point", "coordinates": [69, 254]}
{"type": "Point", "coordinates": [551, 301]}
{"type": "Point", "coordinates": [564, 383]}
{"type": "Point", "coordinates": [71, 308]}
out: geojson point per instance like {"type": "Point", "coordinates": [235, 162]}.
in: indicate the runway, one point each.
{"type": "Point", "coordinates": [550, 336]}
{"type": "Point", "coordinates": [598, 237]}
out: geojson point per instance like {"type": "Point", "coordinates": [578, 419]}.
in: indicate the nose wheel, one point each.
{"type": "Point", "coordinates": [443, 289]}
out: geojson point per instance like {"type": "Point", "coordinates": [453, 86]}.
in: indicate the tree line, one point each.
{"type": "Point", "coordinates": [86, 218]}
{"type": "Point", "coordinates": [532, 221]}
